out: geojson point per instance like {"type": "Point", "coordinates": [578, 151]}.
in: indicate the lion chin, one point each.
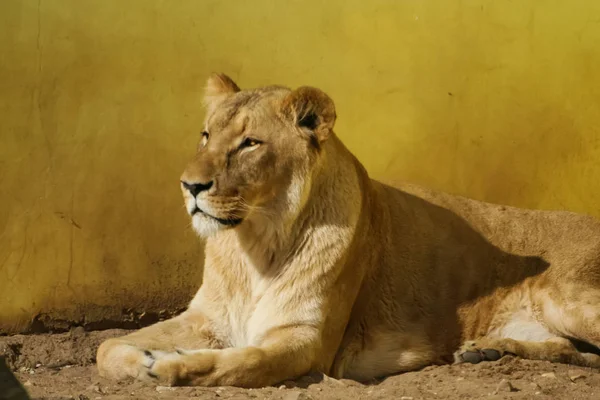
{"type": "Point", "coordinates": [206, 226]}
{"type": "Point", "coordinates": [332, 271]}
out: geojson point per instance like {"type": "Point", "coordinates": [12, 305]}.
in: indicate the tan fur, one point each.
{"type": "Point", "coordinates": [311, 265]}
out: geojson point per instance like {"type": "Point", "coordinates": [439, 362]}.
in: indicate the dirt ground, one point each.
{"type": "Point", "coordinates": [61, 366]}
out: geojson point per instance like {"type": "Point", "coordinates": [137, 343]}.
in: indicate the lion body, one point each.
{"type": "Point", "coordinates": [358, 279]}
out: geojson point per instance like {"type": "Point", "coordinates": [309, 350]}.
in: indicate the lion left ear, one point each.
{"type": "Point", "coordinates": [218, 88]}
{"type": "Point", "coordinates": [311, 109]}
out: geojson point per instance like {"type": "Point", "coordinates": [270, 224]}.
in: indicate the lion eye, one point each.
{"type": "Point", "coordinates": [249, 142]}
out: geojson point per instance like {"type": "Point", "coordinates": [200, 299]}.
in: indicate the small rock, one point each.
{"type": "Point", "coordinates": [28, 384]}
{"type": "Point", "coordinates": [329, 379]}
{"type": "Point", "coordinates": [296, 395]}
{"type": "Point", "coordinates": [550, 375]}
{"type": "Point", "coordinates": [406, 398]}
{"type": "Point", "coordinates": [93, 388]}
{"type": "Point", "coordinates": [281, 387]}
{"type": "Point", "coordinates": [575, 375]}
{"type": "Point", "coordinates": [56, 365]}
{"type": "Point", "coordinates": [505, 386]}
{"type": "Point", "coordinates": [164, 388]}
{"type": "Point", "coordinates": [83, 397]}
{"type": "Point", "coordinates": [535, 386]}
{"type": "Point", "coordinates": [289, 384]}
{"type": "Point", "coordinates": [38, 365]}
{"type": "Point", "coordinates": [349, 382]}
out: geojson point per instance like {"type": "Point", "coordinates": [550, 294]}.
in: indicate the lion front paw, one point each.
{"type": "Point", "coordinates": [161, 367]}
{"type": "Point", "coordinates": [476, 351]}
{"type": "Point", "coordinates": [181, 367]}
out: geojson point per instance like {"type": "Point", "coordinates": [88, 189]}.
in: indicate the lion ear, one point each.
{"type": "Point", "coordinates": [311, 109]}
{"type": "Point", "coordinates": [218, 88]}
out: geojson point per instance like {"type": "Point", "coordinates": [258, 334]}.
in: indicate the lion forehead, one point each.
{"type": "Point", "coordinates": [254, 107]}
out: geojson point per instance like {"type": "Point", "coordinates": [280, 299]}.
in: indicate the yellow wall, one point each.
{"type": "Point", "coordinates": [100, 105]}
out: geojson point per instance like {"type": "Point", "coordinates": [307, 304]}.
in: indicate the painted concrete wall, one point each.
{"type": "Point", "coordinates": [100, 105]}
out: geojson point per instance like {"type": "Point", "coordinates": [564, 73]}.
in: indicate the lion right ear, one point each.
{"type": "Point", "coordinates": [218, 88]}
{"type": "Point", "coordinates": [310, 109]}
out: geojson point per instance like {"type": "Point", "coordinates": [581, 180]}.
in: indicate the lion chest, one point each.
{"type": "Point", "coordinates": [245, 317]}
{"type": "Point", "coordinates": [245, 305]}
{"type": "Point", "coordinates": [243, 314]}
{"type": "Point", "coordinates": [243, 320]}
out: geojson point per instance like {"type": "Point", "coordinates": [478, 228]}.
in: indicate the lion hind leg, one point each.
{"type": "Point", "coordinates": [576, 316]}
{"type": "Point", "coordinates": [556, 349]}
{"type": "Point", "coordinates": [385, 353]}
{"type": "Point", "coordinates": [536, 331]}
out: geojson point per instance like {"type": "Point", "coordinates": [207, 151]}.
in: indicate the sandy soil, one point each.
{"type": "Point", "coordinates": [61, 366]}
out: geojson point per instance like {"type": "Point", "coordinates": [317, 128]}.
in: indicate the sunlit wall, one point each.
{"type": "Point", "coordinates": [100, 105]}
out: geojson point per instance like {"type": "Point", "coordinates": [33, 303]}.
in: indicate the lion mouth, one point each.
{"type": "Point", "coordinates": [226, 222]}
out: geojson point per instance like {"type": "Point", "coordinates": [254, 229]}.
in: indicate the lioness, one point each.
{"type": "Point", "coordinates": [313, 266]}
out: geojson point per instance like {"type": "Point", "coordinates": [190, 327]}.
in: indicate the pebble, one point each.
{"type": "Point", "coordinates": [296, 395]}
{"type": "Point", "coordinates": [93, 388]}
{"type": "Point", "coordinates": [329, 379]}
{"type": "Point", "coordinates": [550, 375]}
{"type": "Point", "coordinates": [535, 386]}
{"type": "Point", "coordinates": [575, 375]}
{"type": "Point", "coordinates": [505, 386]}
{"type": "Point", "coordinates": [164, 388]}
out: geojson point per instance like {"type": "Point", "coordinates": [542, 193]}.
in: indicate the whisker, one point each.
{"type": "Point", "coordinates": [257, 209]}
{"type": "Point", "coordinates": [238, 207]}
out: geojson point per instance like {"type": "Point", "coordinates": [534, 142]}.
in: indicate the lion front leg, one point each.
{"type": "Point", "coordinates": [133, 354]}
{"type": "Point", "coordinates": [285, 354]}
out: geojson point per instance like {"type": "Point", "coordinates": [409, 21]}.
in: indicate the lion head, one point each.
{"type": "Point", "coordinates": [256, 155]}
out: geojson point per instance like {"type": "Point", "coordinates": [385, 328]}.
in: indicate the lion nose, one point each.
{"type": "Point", "coordinates": [195, 188]}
